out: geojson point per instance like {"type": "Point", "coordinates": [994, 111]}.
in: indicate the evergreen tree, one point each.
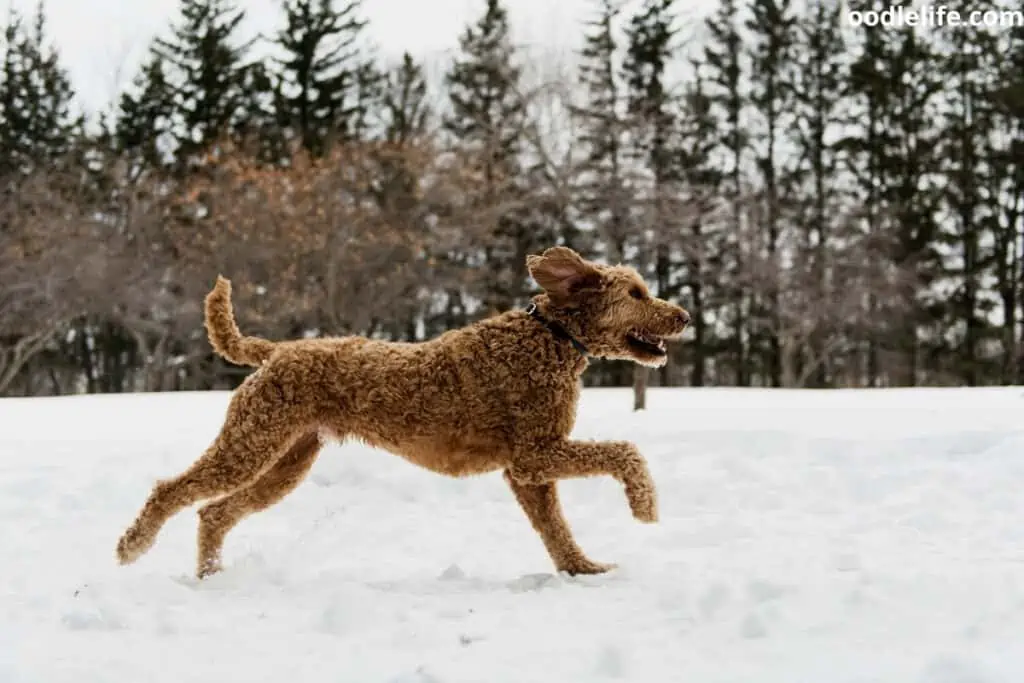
{"type": "Point", "coordinates": [971, 64]}
{"type": "Point", "coordinates": [651, 108]}
{"type": "Point", "coordinates": [37, 125]}
{"type": "Point", "coordinates": [1006, 151]}
{"type": "Point", "coordinates": [771, 29]}
{"type": "Point", "coordinates": [211, 70]}
{"type": "Point", "coordinates": [895, 79]}
{"type": "Point", "coordinates": [143, 118]}
{"type": "Point", "coordinates": [603, 187]}
{"type": "Point", "coordinates": [487, 109]}
{"type": "Point", "coordinates": [323, 80]}
{"type": "Point", "coordinates": [369, 87]}
{"type": "Point", "coordinates": [818, 101]}
{"type": "Point", "coordinates": [725, 67]}
{"type": "Point", "coordinates": [865, 154]}
{"type": "Point", "coordinates": [648, 50]}
{"type": "Point", "coordinates": [704, 243]}
{"type": "Point", "coordinates": [404, 102]}
{"type": "Point", "coordinates": [487, 123]}
{"type": "Point", "coordinates": [257, 124]}
{"type": "Point", "coordinates": [398, 189]}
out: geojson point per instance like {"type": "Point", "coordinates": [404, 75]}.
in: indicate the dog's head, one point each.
{"type": "Point", "coordinates": [607, 308]}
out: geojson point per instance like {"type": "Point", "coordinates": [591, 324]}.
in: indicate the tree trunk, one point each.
{"type": "Point", "coordinates": [699, 339]}
{"type": "Point", "coordinates": [639, 387]}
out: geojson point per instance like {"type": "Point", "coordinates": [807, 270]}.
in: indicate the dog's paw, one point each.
{"type": "Point", "coordinates": [131, 546]}
{"type": "Point", "coordinates": [644, 505]}
{"type": "Point", "coordinates": [207, 568]}
{"type": "Point", "coordinates": [585, 566]}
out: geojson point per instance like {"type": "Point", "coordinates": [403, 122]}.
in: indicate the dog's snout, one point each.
{"type": "Point", "coordinates": [684, 317]}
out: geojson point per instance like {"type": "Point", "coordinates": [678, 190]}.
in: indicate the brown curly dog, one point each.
{"type": "Point", "coordinates": [500, 394]}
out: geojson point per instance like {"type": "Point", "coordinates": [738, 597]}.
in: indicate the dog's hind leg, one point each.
{"type": "Point", "coordinates": [569, 459]}
{"type": "Point", "coordinates": [249, 443]}
{"type": "Point", "coordinates": [542, 508]}
{"type": "Point", "coordinates": [216, 519]}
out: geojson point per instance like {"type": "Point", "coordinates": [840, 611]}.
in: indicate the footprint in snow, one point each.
{"type": "Point", "coordinates": [765, 591]}
{"type": "Point", "coordinates": [534, 582]}
{"type": "Point", "coordinates": [610, 662]}
{"type": "Point", "coordinates": [93, 618]}
{"type": "Point", "coordinates": [420, 675]}
{"type": "Point", "coordinates": [453, 573]}
{"type": "Point", "coordinates": [949, 669]}
{"type": "Point", "coordinates": [713, 600]}
{"type": "Point", "coordinates": [753, 627]}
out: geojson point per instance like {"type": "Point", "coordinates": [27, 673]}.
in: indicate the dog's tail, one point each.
{"type": "Point", "coordinates": [224, 334]}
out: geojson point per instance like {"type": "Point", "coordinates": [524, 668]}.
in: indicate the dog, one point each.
{"type": "Point", "coordinates": [497, 395]}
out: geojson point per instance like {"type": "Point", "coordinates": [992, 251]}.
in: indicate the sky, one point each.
{"type": "Point", "coordinates": [103, 41]}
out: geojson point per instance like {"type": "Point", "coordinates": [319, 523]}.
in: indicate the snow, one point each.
{"type": "Point", "coordinates": [806, 537]}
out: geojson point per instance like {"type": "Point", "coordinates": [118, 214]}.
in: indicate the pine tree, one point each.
{"type": "Point", "coordinates": [398, 189]}
{"type": "Point", "coordinates": [866, 87]}
{"type": "Point", "coordinates": [603, 187]}
{"type": "Point", "coordinates": [37, 125]}
{"type": "Point", "coordinates": [895, 79]}
{"type": "Point", "coordinates": [487, 110]}
{"type": "Point", "coordinates": [369, 86]}
{"type": "Point", "coordinates": [210, 74]}
{"type": "Point", "coordinates": [323, 79]}
{"type": "Point", "coordinates": [1006, 151]}
{"type": "Point", "coordinates": [652, 116]}
{"type": "Point", "coordinates": [143, 119]}
{"type": "Point", "coordinates": [704, 243]}
{"type": "Point", "coordinates": [818, 101]}
{"type": "Point", "coordinates": [725, 67]}
{"type": "Point", "coordinates": [257, 124]}
{"type": "Point", "coordinates": [406, 112]}
{"type": "Point", "coordinates": [487, 123]}
{"type": "Point", "coordinates": [649, 48]}
{"type": "Point", "coordinates": [971, 60]}
{"type": "Point", "coordinates": [771, 29]}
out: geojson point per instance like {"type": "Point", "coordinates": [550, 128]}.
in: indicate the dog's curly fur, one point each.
{"type": "Point", "coordinates": [500, 394]}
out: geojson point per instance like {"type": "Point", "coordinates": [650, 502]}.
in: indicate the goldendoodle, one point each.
{"type": "Point", "coordinates": [499, 394]}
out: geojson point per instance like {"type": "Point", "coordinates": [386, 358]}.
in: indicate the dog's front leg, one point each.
{"type": "Point", "coordinates": [570, 459]}
{"type": "Point", "coordinates": [542, 508]}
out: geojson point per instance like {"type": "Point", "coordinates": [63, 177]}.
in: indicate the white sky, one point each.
{"type": "Point", "coordinates": [102, 41]}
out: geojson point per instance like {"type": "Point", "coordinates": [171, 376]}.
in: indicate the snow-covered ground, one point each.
{"type": "Point", "coordinates": [806, 537]}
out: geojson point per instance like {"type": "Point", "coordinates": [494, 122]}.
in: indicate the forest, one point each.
{"type": "Point", "coordinates": [837, 205]}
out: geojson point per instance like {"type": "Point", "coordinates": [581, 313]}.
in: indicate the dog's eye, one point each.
{"type": "Point", "coordinates": [636, 293]}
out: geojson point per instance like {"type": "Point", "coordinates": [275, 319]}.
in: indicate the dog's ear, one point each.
{"type": "Point", "coordinates": [561, 272]}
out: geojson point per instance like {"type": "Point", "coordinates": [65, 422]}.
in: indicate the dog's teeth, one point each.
{"type": "Point", "coordinates": [648, 338]}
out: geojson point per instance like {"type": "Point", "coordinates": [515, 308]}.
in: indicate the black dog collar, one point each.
{"type": "Point", "coordinates": [556, 328]}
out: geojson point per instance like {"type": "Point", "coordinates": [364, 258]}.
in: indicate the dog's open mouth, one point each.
{"type": "Point", "coordinates": [646, 342]}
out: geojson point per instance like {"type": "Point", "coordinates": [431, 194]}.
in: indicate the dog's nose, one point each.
{"type": "Point", "coordinates": [684, 317]}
